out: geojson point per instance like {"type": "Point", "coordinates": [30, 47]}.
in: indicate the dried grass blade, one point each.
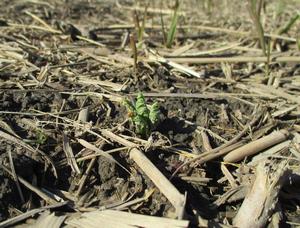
{"type": "Point", "coordinates": [100, 152]}
{"type": "Point", "coordinates": [112, 218]}
{"type": "Point", "coordinates": [70, 155]}
{"type": "Point", "coordinates": [21, 217]}
{"type": "Point", "coordinates": [161, 182]}
{"type": "Point", "coordinates": [13, 171]}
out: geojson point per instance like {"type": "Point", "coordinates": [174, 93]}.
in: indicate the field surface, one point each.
{"type": "Point", "coordinates": [149, 113]}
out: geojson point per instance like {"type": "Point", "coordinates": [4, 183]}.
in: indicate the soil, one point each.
{"type": "Point", "coordinates": [46, 78]}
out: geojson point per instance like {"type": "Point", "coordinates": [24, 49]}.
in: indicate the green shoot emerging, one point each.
{"type": "Point", "coordinates": [289, 25]}
{"type": "Point", "coordinates": [41, 138]}
{"type": "Point", "coordinates": [143, 118]}
{"type": "Point", "coordinates": [173, 26]}
{"type": "Point", "coordinates": [140, 26]}
{"type": "Point", "coordinates": [254, 8]}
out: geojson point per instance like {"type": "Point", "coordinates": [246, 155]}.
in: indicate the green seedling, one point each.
{"type": "Point", "coordinates": [254, 7]}
{"type": "Point", "coordinates": [41, 138]}
{"type": "Point", "coordinates": [143, 118]}
{"type": "Point", "coordinates": [140, 26]}
{"type": "Point", "coordinates": [285, 28]}
{"type": "Point", "coordinates": [163, 29]}
{"type": "Point", "coordinates": [173, 26]}
{"type": "Point", "coordinates": [290, 24]}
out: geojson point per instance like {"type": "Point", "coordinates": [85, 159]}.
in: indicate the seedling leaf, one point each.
{"type": "Point", "coordinates": [154, 113]}
{"type": "Point", "coordinates": [172, 30]}
{"type": "Point", "coordinates": [144, 119]}
{"type": "Point", "coordinates": [141, 107]}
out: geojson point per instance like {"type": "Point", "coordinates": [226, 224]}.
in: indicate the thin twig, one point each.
{"type": "Point", "coordinates": [240, 59]}
{"type": "Point", "coordinates": [13, 171]}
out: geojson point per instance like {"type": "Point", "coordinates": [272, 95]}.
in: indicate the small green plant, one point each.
{"type": "Point", "coordinates": [143, 118]}
{"type": "Point", "coordinates": [41, 137]}
{"type": "Point", "coordinates": [254, 8]}
{"type": "Point", "coordinates": [140, 26]}
{"type": "Point", "coordinates": [289, 24]}
{"type": "Point", "coordinates": [173, 26]}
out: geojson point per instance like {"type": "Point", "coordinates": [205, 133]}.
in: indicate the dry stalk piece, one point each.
{"type": "Point", "coordinates": [284, 111]}
{"type": "Point", "coordinates": [205, 141]}
{"type": "Point", "coordinates": [187, 70]}
{"type": "Point", "coordinates": [164, 185]}
{"type": "Point", "coordinates": [70, 155]}
{"type": "Point", "coordinates": [161, 182]}
{"type": "Point", "coordinates": [232, 195]}
{"type": "Point", "coordinates": [270, 152]}
{"type": "Point", "coordinates": [135, 201]}
{"type": "Point", "coordinates": [101, 152]}
{"type": "Point", "coordinates": [48, 27]}
{"type": "Point", "coordinates": [228, 176]}
{"type": "Point", "coordinates": [279, 92]}
{"type": "Point", "coordinates": [7, 128]}
{"type": "Point", "coordinates": [256, 146]}
{"type": "Point", "coordinates": [261, 201]}
{"type": "Point", "coordinates": [14, 174]}
{"type": "Point", "coordinates": [112, 218]}
{"type": "Point", "coordinates": [110, 85]}
{"type": "Point", "coordinates": [21, 217]}
{"type": "Point", "coordinates": [134, 51]}
{"type": "Point", "coordinates": [90, 41]}
{"type": "Point", "coordinates": [223, 149]}
{"type": "Point", "coordinates": [240, 59]}
{"type": "Point", "coordinates": [181, 50]}
{"type": "Point", "coordinates": [208, 95]}
{"type": "Point", "coordinates": [49, 219]}
{"type": "Point", "coordinates": [85, 176]}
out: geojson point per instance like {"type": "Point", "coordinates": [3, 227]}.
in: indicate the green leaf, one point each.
{"type": "Point", "coordinates": [141, 107]}
{"type": "Point", "coordinates": [173, 27]}
{"type": "Point", "coordinates": [41, 138]}
{"type": "Point", "coordinates": [142, 125]}
{"type": "Point", "coordinates": [130, 107]}
{"type": "Point", "coordinates": [143, 118]}
{"type": "Point", "coordinates": [290, 24]}
{"type": "Point", "coordinates": [154, 113]}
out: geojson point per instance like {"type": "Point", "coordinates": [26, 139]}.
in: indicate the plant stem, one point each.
{"type": "Point", "coordinates": [254, 11]}
{"type": "Point", "coordinates": [134, 51]}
